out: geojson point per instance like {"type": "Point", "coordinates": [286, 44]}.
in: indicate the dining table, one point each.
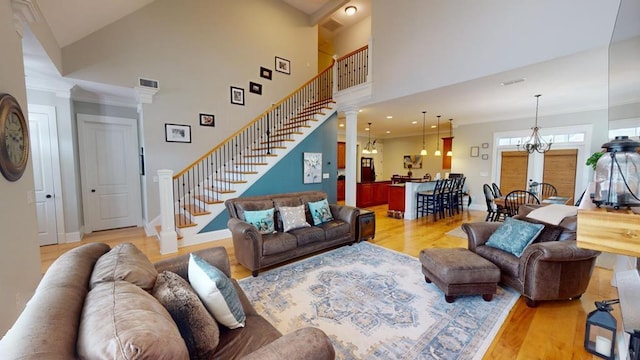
{"type": "Point", "coordinates": [500, 201]}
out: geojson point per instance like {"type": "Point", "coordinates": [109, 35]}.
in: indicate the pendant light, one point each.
{"type": "Point", "coordinates": [423, 152]}
{"type": "Point", "coordinates": [438, 153]}
{"type": "Point", "coordinates": [535, 142]}
{"type": "Point", "coordinates": [370, 148]}
{"type": "Point", "coordinates": [450, 152]}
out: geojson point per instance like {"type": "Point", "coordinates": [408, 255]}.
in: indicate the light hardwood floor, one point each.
{"type": "Point", "coordinates": [553, 330]}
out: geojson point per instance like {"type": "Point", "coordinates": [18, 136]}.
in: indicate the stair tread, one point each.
{"type": "Point", "coordinates": [207, 199]}
{"type": "Point", "coordinates": [183, 222]}
{"type": "Point", "coordinates": [196, 210]}
{"type": "Point", "coordinates": [251, 163]}
{"type": "Point", "coordinates": [243, 172]}
{"type": "Point", "coordinates": [221, 191]}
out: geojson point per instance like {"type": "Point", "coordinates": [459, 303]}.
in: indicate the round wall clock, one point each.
{"type": "Point", "coordinates": [14, 138]}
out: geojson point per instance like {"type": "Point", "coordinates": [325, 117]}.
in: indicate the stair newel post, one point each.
{"type": "Point", "coordinates": [168, 235]}
{"type": "Point", "coordinates": [335, 74]}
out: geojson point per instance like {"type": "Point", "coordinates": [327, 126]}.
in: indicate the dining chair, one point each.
{"type": "Point", "coordinates": [496, 190]}
{"type": "Point", "coordinates": [545, 190]}
{"type": "Point", "coordinates": [514, 199]}
{"type": "Point", "coordinates": [491, 206]}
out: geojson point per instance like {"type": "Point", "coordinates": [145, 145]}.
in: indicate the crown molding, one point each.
{"type": "Point", "coordinates": [145, 95]}
{"type": "Point", "coordinates": [24, 11]}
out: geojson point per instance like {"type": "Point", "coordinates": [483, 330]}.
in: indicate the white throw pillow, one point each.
{"type": "Point", "coordinates": [553, 214]}
{"type": "Point", "coordinates": [293, 217]}
{"type": "Point", "coordinates": [217, 292]}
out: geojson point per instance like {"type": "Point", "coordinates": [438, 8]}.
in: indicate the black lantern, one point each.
{"type": "Point", "coordinates": [618, 174]}
{"type": "Point", "coordinates": [600, 332]}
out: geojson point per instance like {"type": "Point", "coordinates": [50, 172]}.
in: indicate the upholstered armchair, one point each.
{"type": "Point", "coordinates": [550, 268]}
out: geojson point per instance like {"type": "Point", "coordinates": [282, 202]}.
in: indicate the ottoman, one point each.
{"type": "Point", "coordinates": [458, 271]}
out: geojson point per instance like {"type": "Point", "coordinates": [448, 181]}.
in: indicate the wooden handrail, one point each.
{"type": "Point", "coordinates": [251, 123]}
{"type": "Point", "coordinates": [353, 52]}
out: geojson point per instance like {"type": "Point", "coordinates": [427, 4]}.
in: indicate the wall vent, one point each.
{"type": "Point", "coordinates": [332, 25]}
{"type": "Point", "coordinates": [154, 84]}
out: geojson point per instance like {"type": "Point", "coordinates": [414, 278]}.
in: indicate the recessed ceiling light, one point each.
{"type": "Point", "coordinates": [341, 125]}
{"type": "Point", "coordinates": [388, 131]}
{"type": "Point", "coordinates": [366, 129]}
{"type": "Point", "coordinates": [360, 110]}
{"type": "Point", "coordinates": [433, 126]}
{"type": "Point", "coordinates": [414, 122]}
{"type": "Point", "coordinates": [389, 117]}
{"type": "Point", "coordinates": [350, 10]}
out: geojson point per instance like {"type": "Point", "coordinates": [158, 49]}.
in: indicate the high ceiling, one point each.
{"type": "Point", "coordinates": [578, 82]}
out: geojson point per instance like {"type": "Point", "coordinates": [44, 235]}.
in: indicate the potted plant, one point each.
{"type": "Point", "coordinates": [593, 159]}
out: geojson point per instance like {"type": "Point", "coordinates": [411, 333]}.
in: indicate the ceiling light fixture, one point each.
{"type": "Point", "coordinates": [450, 152]}
{"type": "Point", "coordinates": [424, 149]}
{"type": "Point", "coordinates": [535, 142]}
{"type": "Point", "coordinates": [370, 148]}
{"type": "Point", "coordinates": [438, 153]}
{"type": "Point", "coordinates": [350, 10]}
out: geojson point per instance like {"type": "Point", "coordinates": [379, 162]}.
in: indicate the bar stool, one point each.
{"type": "Point", "coordinates": [430, 202]}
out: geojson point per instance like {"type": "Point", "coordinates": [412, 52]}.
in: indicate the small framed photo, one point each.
{"type": "Point", "coordinates": [485, 156]}
{"type": "Point", "coordinates": [255, 88]}
{"type": "Point", "coordinates": [475, 151]}
{"type": "Point", "coordinates": [485, 145]}
{"type": "Point", "coordinates": [177, 133]}
{"type": "Point", "coordinates": [207, 120]}
{"type": "Point", "coordinates": [265, 73]}
{"type": "Point", "coordinates": [283, 65]}
{"type": "Point", "coordinates": [237, 95]}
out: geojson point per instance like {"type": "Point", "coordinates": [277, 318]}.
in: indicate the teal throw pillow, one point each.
{"type": "Point", "coordinates": [320, 212]}
{"type": "Point", "coordinates": [513, 236]}
{"type": "Point", "coordinates": [261, 219]}
{"type": "Point", "coordinates": [217, 293]}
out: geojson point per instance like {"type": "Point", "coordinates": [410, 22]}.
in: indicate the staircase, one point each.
{"type": "Point", "coordinates": [195, 196]}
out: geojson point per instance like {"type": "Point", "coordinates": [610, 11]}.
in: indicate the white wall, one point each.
{"type": "Point", "coordinates": [19, 251]}
{"type": "Point", "coordinates": [197, 50]}
{"type": "Point", "coordinates": [417, 47]}
{"type": "Point", "coordinates": [353, 38]}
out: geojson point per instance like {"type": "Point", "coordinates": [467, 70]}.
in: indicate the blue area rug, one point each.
{"type": "Point", "coordinates": [374, 304]}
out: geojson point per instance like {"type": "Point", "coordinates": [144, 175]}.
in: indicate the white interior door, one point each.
{"type": "Point", "coordinates": [43, 151]}
{"type": "Point", "coordinates": [109, 169]}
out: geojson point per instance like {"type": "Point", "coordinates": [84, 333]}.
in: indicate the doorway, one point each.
{"type": "Point", "coordinates": [110, 172]}
{"type": "Point", "coordinates": [46, 174]}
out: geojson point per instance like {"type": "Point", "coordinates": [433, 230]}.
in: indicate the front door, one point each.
{"type": "Point", "coordinates": [110, 172]}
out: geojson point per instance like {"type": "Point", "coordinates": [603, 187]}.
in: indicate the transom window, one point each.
{"type": "Point", "coordinates": [577, 137]}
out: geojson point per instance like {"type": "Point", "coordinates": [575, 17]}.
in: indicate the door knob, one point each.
{"type": "Point", "coordinates": [48, 196]}
{"type": "Point", "coordinates": [93, 190]}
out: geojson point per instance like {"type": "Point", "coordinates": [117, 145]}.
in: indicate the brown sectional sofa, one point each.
{"type": "Point", "coordinates": [51, 325]}
{"type": "Point", "coordinates": [551, 268]}
{"type": "Point", "coordinates": [256, 251]}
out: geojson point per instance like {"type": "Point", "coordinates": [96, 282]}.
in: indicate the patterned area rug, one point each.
{"type": "Point", "coordinates": [374, 304]}
{"type": "Point", "coordinates": [457, 232]}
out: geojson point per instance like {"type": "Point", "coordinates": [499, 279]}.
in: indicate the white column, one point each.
{"type": "Point", "coordinates": [335, 74]}
{"type": "Point", "coordinates": [351, 128]}
{"type": "Point", "coordinates": [168, 235]}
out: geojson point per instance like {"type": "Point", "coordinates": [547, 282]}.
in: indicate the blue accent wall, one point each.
{"type": "Point", "coordinates": [286, 175]}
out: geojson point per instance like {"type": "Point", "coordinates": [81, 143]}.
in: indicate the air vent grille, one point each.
{"type": "Point", "coordinates": [154, 84]}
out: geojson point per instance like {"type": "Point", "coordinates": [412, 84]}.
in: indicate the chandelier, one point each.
{"type": "Point", "coordinates": [438, 153]}
{"type": "Point", "coordinates": [424, 149]}
{"type": "Point", "coordinates": [370, 148]}
{"type": "Point", "coordinates": [535, 142]}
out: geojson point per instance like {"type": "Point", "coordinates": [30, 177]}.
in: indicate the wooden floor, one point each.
{"type": "Point", "coordinates": [553, 330]}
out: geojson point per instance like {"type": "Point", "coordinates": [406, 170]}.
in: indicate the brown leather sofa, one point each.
{"type": "Point", "coordinates": [551, 268]}
{"type": "Point", "coordinates": [50, 327]}
{"type": "Point", "coordinates": [256, 251]}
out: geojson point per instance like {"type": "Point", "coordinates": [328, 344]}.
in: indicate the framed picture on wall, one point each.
{"type": "Point", "coordinates": [412, 161]}
{"type": "Point", "coordinates": [265, 73]}
{"type": "Point", "coordinates": [237, 95]}
{"type": "Point", "coordinates": [312, 168]}
{"type": "Point", "coordinates": [475, 151]}
{"type": "Point", "coordinates": [255, 88]}
{"type": "Point", "coordinates": [207, 120]}
{"type": "Point", "coordinates": [177, 133]}
{"type": "Point", "coordinates": [283, 65]}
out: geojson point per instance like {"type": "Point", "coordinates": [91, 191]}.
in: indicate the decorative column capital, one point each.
{"type": "Point", "coordinates": [24, 11]}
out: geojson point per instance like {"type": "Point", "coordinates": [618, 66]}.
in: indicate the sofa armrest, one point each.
{"type": "Point", "coordinates": [216, 256]}
{"type": "Point", "coordinates": [305, 344]}
{"type": "Point", "coordinates": [348, 214]}
{"type": "Point", "coordinates": [479, 232]}
{"type": "Point", "coordinates": [558, 251]}
{"type": "Point", "coordinates": [247, 243]}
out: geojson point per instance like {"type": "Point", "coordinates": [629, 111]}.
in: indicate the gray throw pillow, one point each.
{"type": "Point", "coordinates": [197, 327]}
